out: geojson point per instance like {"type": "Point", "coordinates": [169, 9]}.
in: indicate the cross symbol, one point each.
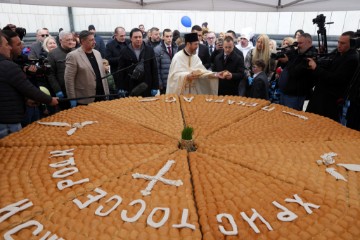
{"type": "Point", "coordinates": [158, 177]}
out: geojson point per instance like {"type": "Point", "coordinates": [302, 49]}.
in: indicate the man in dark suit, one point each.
{"type": "Point", "coordinates": [233, 65]}
{"type": "Point", "coordinates": [219, 46]}
{"type": "Point", "coordinates": [203, 50]}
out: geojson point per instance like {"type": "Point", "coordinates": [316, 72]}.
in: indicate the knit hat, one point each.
{"type": "Point", "coordinates": [246, 36]}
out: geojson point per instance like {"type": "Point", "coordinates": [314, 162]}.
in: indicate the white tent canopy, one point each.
{"type": "Point", "coordinates": [107, 14]}
{"type": "Point", "coordinates": [206, 5]}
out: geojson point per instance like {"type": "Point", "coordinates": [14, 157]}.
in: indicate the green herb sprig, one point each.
{"type": "Point", "coordinates": [187, 133]}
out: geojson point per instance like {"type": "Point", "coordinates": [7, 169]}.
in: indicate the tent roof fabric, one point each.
{"type": "Point", "coordinates": [206, 5]}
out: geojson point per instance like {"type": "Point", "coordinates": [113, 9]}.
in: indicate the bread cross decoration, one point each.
{"type": "Point", "coordinates": [158, 177]}
{"type": "Point", "coordinates": [74, 126]}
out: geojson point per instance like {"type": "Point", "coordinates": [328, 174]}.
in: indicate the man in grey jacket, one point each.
{"type": "Point", "coordinates": [164, 53]}
{"type": "Point", "coordinates": [56, 60]}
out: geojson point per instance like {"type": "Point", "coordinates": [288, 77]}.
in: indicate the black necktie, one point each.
{"type": "Point", "coordinates": [211, 49]}
{"type": "Point", "coordinates": [225, 58]}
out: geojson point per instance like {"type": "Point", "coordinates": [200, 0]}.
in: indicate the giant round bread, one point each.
{"type": "Point", "coordinates": [260, 171]}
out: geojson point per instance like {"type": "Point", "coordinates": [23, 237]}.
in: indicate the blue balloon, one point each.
{"type": "Point", "coordinates": [186, 21]}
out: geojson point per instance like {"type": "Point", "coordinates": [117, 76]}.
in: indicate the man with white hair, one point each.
{"type": "Point", "coordinates": [56, 60]}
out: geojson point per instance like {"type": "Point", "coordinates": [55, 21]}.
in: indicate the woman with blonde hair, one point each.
{"type": "Point", "coordinates": [261, 51]}
{"type": "Point", "coordinates": [222, 35]}
{"type": "Point", "coordinates": [49, 44]}
{"type": "Point", "coordinates": [287, 41]}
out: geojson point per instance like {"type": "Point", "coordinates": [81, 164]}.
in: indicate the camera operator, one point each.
{"type": "Point", "coordinates": [32, 112]}
{"type": "Point", "coordinates": [14, 87]}
{"type": "Point", "coordinates": [296, 79]}
{"type": "Point", "coordinates": [333, 80]}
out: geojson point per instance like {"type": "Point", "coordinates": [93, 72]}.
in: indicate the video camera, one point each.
{"type": "Point", "coordinates": [287, 50]}
{"type": "Point", "coordinates": [320, 21]}
{"type": "Point", "coordinates": [42, 65]}
{"type": "Point", "coordinates": [355, 42]}
{"type": "Point", "coordinates": [324, 60]}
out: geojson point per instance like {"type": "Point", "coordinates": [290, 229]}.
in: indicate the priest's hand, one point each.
{"type": "Point", "coordinates": [194, 75]}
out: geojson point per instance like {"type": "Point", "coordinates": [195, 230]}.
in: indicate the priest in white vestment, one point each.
{"type": "Point", "coordinates": [187, 74]}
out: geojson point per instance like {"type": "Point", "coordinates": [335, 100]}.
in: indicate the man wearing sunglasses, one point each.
{"type": "Point", "coordinates": [36, 47]}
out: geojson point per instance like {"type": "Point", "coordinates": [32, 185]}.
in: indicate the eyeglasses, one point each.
{"type": "Point", "coordinates": [44, 35]}
{"type": "Point", "coordinates": [211, 38]}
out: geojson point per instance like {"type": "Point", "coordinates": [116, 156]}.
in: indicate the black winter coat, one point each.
{"type": "Point", "coordinates": [234, 64]}
{"type": "Point", "coordinates": [332, 83]}
{"type": "Point", "coordinates": [297, 79]}
{"type": "Point", "coordinates": [128, 58]}
{"type": "Point", "coordinates": [112, 53]}
{"type": "Point", "coordinates": [14, 87]}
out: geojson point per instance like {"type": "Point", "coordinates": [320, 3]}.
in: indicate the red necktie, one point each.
{"type": "Point", "coordinates": [169, 50]}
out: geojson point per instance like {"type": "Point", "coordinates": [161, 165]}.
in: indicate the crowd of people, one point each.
{"type": "Point", "coordinates": [60, 72]}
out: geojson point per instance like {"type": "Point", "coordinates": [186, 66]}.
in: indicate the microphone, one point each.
{"type": "Point", "coordinates": [132, 65]}
{"type": "Point", "coordinates": [139, 89]}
